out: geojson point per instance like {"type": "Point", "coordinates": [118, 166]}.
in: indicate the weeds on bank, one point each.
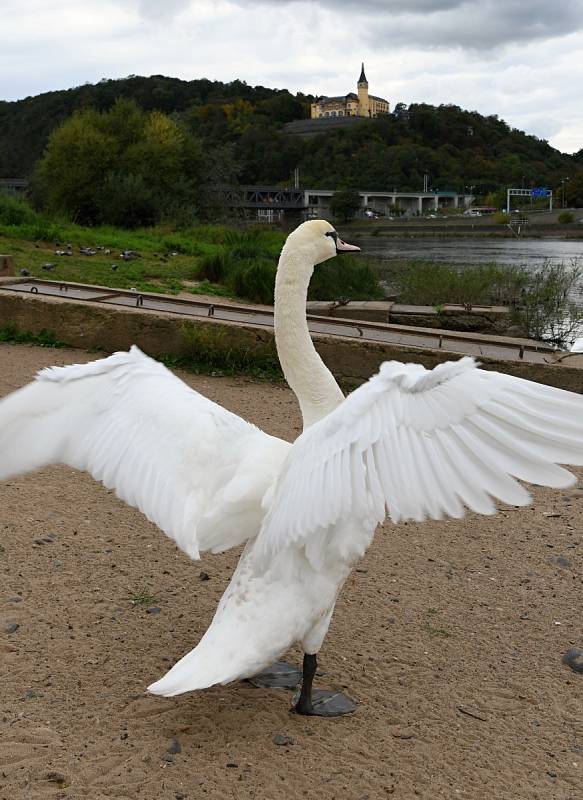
{"type": "Point", "coordinates": [209, 349]}
{"type": "Point", "coordinates": [430, 284]}
{"type": "Point", "coordinates": [11, 335]}
{"type": "Point", "coordinates": [543, 300]}
{"type": "Point", "coordinates": [431, 629]}
{"type": "Point", "coordinates": [142, 598]}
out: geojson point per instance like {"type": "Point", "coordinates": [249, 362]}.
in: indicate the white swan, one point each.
{"type": "Point", "coordinates": [418, 443]}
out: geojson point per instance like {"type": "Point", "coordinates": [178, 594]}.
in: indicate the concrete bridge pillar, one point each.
{"type": "Point", "coordinates": [420, 205]}
{"type": "Point", "coordinates": [435, 202]}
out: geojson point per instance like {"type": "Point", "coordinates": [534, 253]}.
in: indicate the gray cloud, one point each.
{"type": "Point", "coordinates": [467, 24]}
{"type": "Point", "coordinates": [489, 25]}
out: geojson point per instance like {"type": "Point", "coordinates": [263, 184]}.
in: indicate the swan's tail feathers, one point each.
{"type": "Point", "coordinates": [194, 671]}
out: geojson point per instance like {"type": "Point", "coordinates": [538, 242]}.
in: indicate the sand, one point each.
{"type": "Point", "coordinates": [448, 635]}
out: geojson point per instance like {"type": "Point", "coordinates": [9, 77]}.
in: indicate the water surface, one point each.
{"type": "Point", "coordinates": [470, 251]}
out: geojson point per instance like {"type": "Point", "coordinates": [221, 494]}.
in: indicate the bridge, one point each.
{"type": "Point", "coordinates": [272, 202]}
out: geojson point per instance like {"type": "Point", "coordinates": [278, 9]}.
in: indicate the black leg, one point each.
{"type": "Point", "coordinates": [304, 704]}
{"type": "Point", "coordinates": [320, 702]}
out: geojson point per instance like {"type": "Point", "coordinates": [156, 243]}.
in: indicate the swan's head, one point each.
{"type": "Point", "coordinates": [320, 239]}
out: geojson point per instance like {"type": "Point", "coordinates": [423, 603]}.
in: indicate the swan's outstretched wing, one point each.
{"type": "Point", "coordinates": [423, 443]}
{"type": "Point", "coordinates": [192, 467]}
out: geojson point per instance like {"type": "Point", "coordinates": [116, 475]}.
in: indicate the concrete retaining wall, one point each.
{"type": "Point", "coordinates": [93, 326]}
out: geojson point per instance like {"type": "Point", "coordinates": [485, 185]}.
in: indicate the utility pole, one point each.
{"type": "Point", "coordinates": [563, 181]}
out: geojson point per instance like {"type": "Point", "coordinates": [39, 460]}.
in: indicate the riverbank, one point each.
{"type": "Point", "coordinates": [538, 225]}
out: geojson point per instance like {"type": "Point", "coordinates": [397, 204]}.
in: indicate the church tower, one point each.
{"type": "Point", "coordinates": [363, 100]}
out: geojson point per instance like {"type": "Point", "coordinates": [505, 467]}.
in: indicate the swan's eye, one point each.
{"type": "Point", "coordinates": [333, 234]}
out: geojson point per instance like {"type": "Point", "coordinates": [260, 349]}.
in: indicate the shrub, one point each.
{"type": "Point", "coordinates": [500, 218]}
{"type": "Point", "coordinates": [547, 308]}
{"type": "Point", "coordinates": [542, 299]}
{"type": "Point", "coordinates": [565, 217]}
{"type": "Point", "coordinates": [255, 281]}
{"type": "Point", "coordinates": [346, 277]}
{"type": "Point", "coordinates": [344, 204]}
{"type": "Point", "coordinates": [430, 284]}
{"type": "Point", "coordinates": [213, 267]}
{"type": "Point", "coordinates": [15, 211]}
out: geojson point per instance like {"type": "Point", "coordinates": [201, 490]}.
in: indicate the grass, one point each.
{"type": "Point", "coordinates": [347, 277]}
{"type": "Point", "coordinates": [431, 629]}
{"type": "Point", "coordinates": [170, 261]}
{"type": "Point", "coordinates": [209, 350]}
{"type": "Point", "coordinates": [429, 284]}
{"type": "Point", "coordinates": [203, 259]}
{"type": "Point", "coordinates": [142, 598]}
{"type": "Point", "coordinates": [10, 335]}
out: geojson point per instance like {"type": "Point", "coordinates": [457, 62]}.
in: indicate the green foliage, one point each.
{"type": "Point", "coordinates": [245, 264]}
{"type": "Point", "coordinates": [345, 204]}
{"type": "Point", "coordinates": [168, 261]}
{"type": "Point", "coordinates": [547, 308]}
{"type": "Point", "coordinates": [44, 338]}
{"type": "Point", "coordinates": [16, 211]}
{"type": "Point", "coordinates": [250, 279]}
{"type": "Point", "coordinates": [142, 597]}
{"type": "Point", "coordinates": [255, 280]}
{"type": "Point", "coordinates": [430, 284]}
{"type": "Point", "coordinates": [240, 128]}
{"type": "Point", "coordinates": [500, 218]}
{"type": "Point", "coordinates": [565, 218]}
{"type": "Point", "coordinates": [211, 349]}
{"type": "Point", "coordinates": [253, 243]}
{"type": "Point", "coordinates": [213, 267]}
{"type": "Point", "coordinates": [346, 277]}
{"type": "Point", "coordinates": [542, 299]}
{"type": "Point", "coordinates": [574, 187]}
{"type": "Point", "coordinates": [121, 167]}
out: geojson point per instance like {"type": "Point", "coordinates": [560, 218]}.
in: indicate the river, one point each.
{"type": "Point", "coordinates": [470, 251]}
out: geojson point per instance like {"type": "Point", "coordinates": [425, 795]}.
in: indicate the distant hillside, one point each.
{"type": "Point", "coordinates": [25, 125]}
{"type": "Point", "coordinates": [459, 149]}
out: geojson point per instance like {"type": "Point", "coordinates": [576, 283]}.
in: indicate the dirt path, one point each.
{"type": "Point", "coordinates": [448, 635]}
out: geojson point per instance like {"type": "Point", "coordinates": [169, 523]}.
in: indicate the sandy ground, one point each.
{"type": "Point", "coordinates": [448, 635]}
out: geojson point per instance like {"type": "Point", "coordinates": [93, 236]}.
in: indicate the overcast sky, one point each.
{"type": "Point", "coordinates": [520, 59]}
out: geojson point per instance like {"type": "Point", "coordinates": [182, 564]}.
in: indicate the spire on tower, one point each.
{"type": "Point", "coordinates": [362, 78]}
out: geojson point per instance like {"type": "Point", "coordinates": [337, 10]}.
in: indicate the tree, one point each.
{"type": "Point", "coordinates": [344, 204]}
{"type": "Point", "coordinates": [124, 166]}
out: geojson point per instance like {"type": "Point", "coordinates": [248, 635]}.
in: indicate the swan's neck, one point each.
{"type": "Point", "coordinates": [312, 382]}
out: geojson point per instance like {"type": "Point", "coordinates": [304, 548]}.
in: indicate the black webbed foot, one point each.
{"type": "Point", "coordinates": [320, 702]}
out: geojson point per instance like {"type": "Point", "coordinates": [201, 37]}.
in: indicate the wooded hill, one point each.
{"type": "Point", "coordinates": [244, 125]}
